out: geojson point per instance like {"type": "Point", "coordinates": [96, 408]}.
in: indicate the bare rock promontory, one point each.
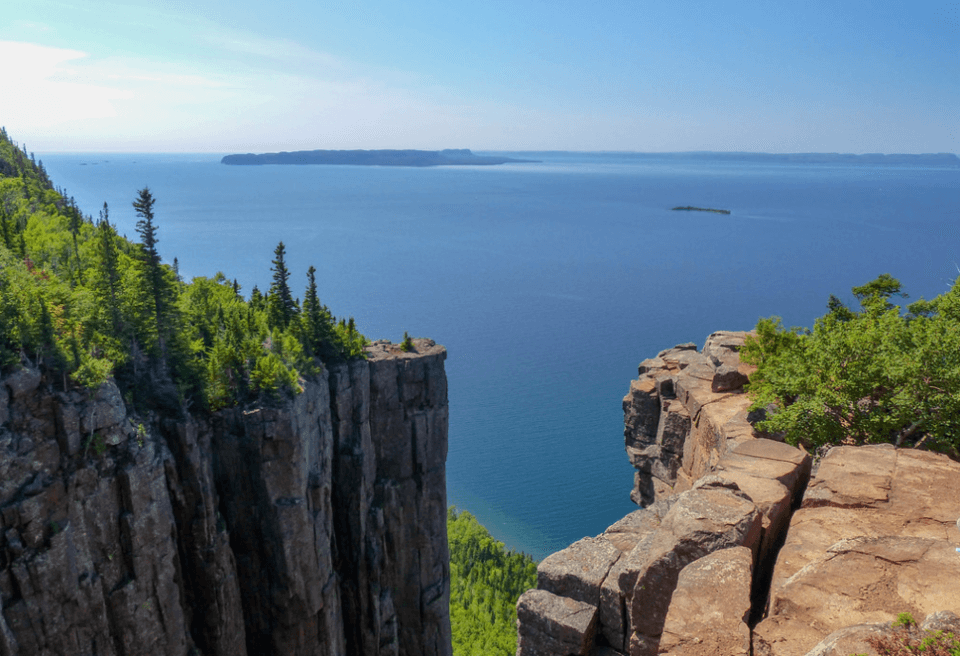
{"type": "Point", "coordinates": [742, 547]}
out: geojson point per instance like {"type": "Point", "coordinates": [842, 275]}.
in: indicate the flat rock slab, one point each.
{"type": "Point", "coordinates": [859, 581]}
{"type": "Point", "coordinates": [710, 607]}
{"type": "Point", "coordinates": [875, 536]}
{"type": "Point", "coordinates": [899, 493]}
{"type": "Point", "coordinates": [550, 625]}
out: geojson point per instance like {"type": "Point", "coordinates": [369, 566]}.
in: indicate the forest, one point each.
{"type": "Point", "coordinates": [486, 580]}
{"type": "Point", "coordinates": [83, 304]}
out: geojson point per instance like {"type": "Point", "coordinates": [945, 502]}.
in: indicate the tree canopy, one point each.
{"type": "Point", "coordinates": [83, 304]}
{"type": "Point", "coordinates": [486, 580]}
{"type": "Point", "coordinates": [872, 375]}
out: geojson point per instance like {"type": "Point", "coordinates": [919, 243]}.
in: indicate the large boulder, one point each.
{"type": "Point", "coordinates": [550, 625]}
{"type": "Point", "coordinates": [711, 606]}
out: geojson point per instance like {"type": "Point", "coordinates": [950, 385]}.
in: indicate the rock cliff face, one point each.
{"type": "Point", "coordinates": [732, 551]}
{"type": "Point", "coordinates": [318, 527]}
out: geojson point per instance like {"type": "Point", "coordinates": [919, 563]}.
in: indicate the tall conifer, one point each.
{"type": "Point", "coordinates": [282, 308]}
{"type": "Point", "coordinates": [150, 259]}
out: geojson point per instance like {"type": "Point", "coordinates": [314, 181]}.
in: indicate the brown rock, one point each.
{"type": "Point", "coordinates": [550, 625]}
{"type": "Point", "coordinates": [874, 529]}
{"type": "Point", "coordinates": [710, 607]}
{"type": "Point", "coordinates": [851, 640]}
{"type": "Point", "coordinates": [700, 522]}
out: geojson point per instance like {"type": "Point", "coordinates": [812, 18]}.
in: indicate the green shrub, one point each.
{"type": "Point", "coordinates": [869, 376]}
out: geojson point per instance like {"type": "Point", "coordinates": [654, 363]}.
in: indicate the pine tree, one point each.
{"type": "Point", "coordinates": [282, 308]}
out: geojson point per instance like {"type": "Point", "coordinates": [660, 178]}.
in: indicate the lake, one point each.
{"type": "Point", "coordinates": [547, 282]}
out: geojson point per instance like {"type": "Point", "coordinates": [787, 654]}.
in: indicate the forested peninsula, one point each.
{"type": "Point", "coordinates": [449, 157]}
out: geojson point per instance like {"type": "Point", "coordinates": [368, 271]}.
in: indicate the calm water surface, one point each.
{"type": "Point", "coordinates": [548, 283]}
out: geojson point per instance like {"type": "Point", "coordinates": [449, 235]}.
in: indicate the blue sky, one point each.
{"type": "Point", "coordinates": [228, 76]}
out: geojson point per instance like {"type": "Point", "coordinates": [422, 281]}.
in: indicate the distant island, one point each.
{"type": "Point", "coordinates": [691, 208]}
{"type": "Point", "coordinates": [449, 157]}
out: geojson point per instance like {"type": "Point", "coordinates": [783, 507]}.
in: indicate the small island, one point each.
{"type": "Point", "coordinates": [690, 208]}
{"type": "Point", "coordinates": [449, 157]}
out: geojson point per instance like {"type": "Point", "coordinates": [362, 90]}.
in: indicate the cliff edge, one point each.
{"type": "Point", "coordinates": [741, 545]}
{"type": "Point", "coordinates": [314, 528]}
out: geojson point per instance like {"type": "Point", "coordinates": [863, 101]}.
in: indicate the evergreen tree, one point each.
{"type": "Point", "coordinates": [318, 329]}
{"type": "Point", "coordinates": [282, 308]}
{"type": "Point", "coordinates": [150, 258]}
{"type": "Point", "coordinates": [109, 274]}
{"type": "Point", "coordinates": [76, 221]}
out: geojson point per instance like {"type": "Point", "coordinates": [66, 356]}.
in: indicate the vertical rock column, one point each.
{"type": "Point", "coordinates": [274, 472]}
{"type": "Point", "coordinates": [408, 426]}
{"type": "Point", "coordinates": [357, 538]}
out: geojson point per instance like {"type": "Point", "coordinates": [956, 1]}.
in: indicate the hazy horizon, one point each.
{"type": "Point", "coordinates": [227, 77]}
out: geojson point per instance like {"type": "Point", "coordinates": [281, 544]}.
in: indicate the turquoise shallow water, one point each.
{"type": "Point", "coordinates": [548, 283]}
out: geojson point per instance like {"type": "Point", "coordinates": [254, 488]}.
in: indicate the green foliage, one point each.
{"type": "Point", "coordinates": [905, 620]}
{"type": "Point", "coordinates": [407, 344]}
{"type": "Point", "coordinates": [868, 376]}
{"type": "Point", "coordinates": [98, 443]}
{"type": "Point", "coordinates": [83, 304]}
{"type": "Point", "coordinates": [908, 640]}
{"type": "Point", "coordinates": [485, 582]}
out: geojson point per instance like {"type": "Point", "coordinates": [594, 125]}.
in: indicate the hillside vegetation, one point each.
{"type": "Point", "coordinates": [83, 304]}
{"type": "Point", "coordinates": [485, 582]}
{"type": "Point", "coordinates": [871, 375]}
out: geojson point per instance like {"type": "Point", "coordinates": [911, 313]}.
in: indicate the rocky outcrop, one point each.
{"type": "Point", "coordinates": [876, 535]}
{"type": "Point", "coordinates": [317, 527]}
{"type": "Point", "coordinates": [733, 552]}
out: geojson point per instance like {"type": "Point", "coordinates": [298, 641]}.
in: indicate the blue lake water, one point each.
{"type": "Point", "coordinates": [548, 283]}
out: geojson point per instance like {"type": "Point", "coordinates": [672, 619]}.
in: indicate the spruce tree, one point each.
{"type": "Point", "coordinates": [150, 259]}
{"type": "Point", "coordinates": [317, 322]}
{"type": "Point", "coordinates": [76, 221]}
{"type": "Point", "coordinates": [109, 278]}
{"type": "Point", "coordinates": [282, 308]}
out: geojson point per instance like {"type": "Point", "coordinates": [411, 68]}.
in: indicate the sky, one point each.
{"type": "Point", "coordinates": [850, 76]}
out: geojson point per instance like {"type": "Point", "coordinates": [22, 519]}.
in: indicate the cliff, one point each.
{"type": "Point", "coordinates": [742, 545]}
{"type": "Point", "coordinates": [317, 527]}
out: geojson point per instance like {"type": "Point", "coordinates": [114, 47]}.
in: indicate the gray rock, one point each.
{"type": "Point", "coordinates": [579, 570]}
{"type": "Point", "coordinates": [727, 378]}
{"type": "Point", "coordinates": [550, 625]}
{"type": "Point", "coordinates": [23, 382]}
{"type": "Point", "coordinates": [218, 535]}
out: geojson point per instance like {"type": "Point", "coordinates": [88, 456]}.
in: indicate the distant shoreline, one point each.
{"type": "Point", "coordinates": [449, 157]}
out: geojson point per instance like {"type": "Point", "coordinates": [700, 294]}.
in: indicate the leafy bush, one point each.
{"type": "Point", "coordinates": [869, 376]}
